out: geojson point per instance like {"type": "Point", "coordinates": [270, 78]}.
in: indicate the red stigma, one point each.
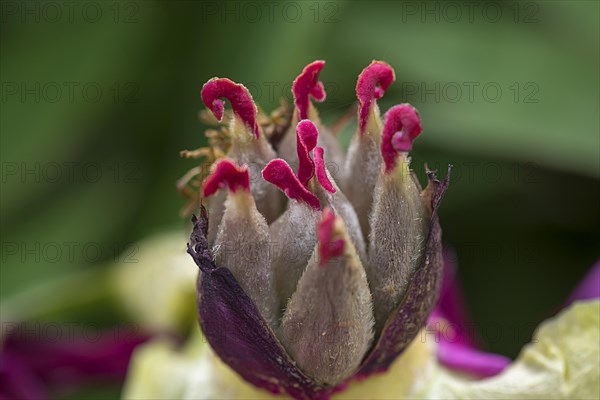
{"type": "Point", "coordinates": [328, 247]}
{"type": "Point", "coordinates": [240, 98]}
{"type": "Point", "coordinates": [372, 83]}
{"type": "Point", "coordinates": [402, 125]}
{"type": "Point", "coordinates": [321, 171]}
{"type": "Point", "coordinates": [279, 173]}
{"type": "Point", "coordinates": [306, 141]}
{"type": "Point", "coordinates": [226, 174]}
{"type": "Point", "coordinates": [308, 84]}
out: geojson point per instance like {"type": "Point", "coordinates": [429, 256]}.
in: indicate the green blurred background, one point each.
{"type": "Point", "coordinates": [98, 98]}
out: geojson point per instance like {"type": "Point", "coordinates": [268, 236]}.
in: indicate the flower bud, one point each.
{"type": "Point", "coordinates": [243, 243]}
{"type": "Point", "coordinates": [330, 194]}
{"type": "Point", "coordinates": [302, 306]}
{"type": "Point", "coordinates": [248, 145]}
{"type": "Point", "coordinates": [327, 326]}
{"type": "Point", "coordinates": [305, 86]}
{"type": "Point", "coordinates": [364, 160]}
{"type": "Point", "coordinates": [399, 220]}
{"type": "Point", "coordinates": [290, 258]}
{"type": "Point", "coordinates": [294, 241]}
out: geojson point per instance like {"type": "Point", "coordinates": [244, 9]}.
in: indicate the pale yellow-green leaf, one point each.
{"type": "Point", "coordinates": [562, 362]}
{"type": "Point", "coordinates": [156, 282]}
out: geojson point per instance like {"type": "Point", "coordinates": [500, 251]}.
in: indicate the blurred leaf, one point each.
{"type": "Point", "coordinates": [550, 61]}
{"type": "Point", "coordinates": [69, 79]}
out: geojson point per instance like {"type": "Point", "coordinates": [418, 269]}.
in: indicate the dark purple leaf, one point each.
{"type": "Point", "coordinates": [420, 298]}
{"type": "Point", "coordinates": [236, 331]}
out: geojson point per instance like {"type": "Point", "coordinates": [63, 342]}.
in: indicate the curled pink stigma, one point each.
{"type": "Point", "coordinates": [328, 247]}
{"type": "Point", "coordinates": [226, 175]}
{"type": "Point", "coordinates": [372, 83]}
{"type": "Point", "coordinates": [306, 141]}
{"type": "Point", "coordinates": [280, 174]}
{"type": "Point", "coordinates": [308, 84]}
{"type": "Point", "coordinates": [240, 98]}
{"type": "Point", "coordinates": [402, 125]}
{"type": "Point", "coordinates": [321, 171]}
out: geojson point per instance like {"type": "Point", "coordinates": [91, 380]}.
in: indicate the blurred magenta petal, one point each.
{"type": "Point", "coordinates": [451, 305]}
{"type": "Point", "coordinates": [17, 381]}
{"type": "Point", "coordinates": [470, 360]}
{"type": "Point", "coordinates": [457, 350]}
{"type": "Point", "coordinates": [589, 287]}
{"type": "Point", "coordinates": [30, 367]}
